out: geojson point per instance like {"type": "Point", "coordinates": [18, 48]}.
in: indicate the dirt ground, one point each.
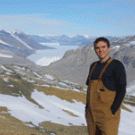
{"type": "Point", "coordinates": [65, 130]}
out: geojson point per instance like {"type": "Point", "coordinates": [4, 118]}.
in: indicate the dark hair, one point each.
{"type": "Point", "coordinates": [102, 39]}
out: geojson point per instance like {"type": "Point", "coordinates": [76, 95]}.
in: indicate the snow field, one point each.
{"type": "Point", "coordinates": [26, 111]}
{"type": "Point", "coordinates": [127, 123]}
{"type": "Point", "coordinates": [53, 111]}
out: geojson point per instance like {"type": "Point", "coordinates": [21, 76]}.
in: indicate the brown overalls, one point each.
{"type": "Point", "coordinates": [100, 120]}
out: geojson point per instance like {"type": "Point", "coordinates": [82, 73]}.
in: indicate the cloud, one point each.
{"type": "Point", "coordinates": [30, 23]}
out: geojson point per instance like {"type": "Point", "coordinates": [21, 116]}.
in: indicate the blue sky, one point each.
{"type": "Point", "coordinates": [57, 17]}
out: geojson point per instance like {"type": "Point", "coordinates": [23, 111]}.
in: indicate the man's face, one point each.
{"type": "Point", "coordinates": [102, 50]}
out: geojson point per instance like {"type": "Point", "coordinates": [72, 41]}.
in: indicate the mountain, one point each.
{"type": "Point", "coordinates": [19, 43]}
{"type": "Point", "coordinates": [27, 41]}
{"type": "Point", "coordinates": [15, 46]}
{"type": "Point", "coordinates": [75, 63]}
{"type": "Point", "coordinates": [51, 39]}
{"type": "Point", "coordinates": [42, 103]}
{"type": "Point", "coordinates": [63, 39]}
{"type": "Point", "coordinates": [91, 40]}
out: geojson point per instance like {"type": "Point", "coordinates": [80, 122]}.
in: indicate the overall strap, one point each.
{"type": "Point", "coordinates": [108, 62]}
{"type": "Point", "coordinates": [92, 71]}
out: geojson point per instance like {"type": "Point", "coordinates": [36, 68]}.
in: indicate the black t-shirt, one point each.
{"type": "Point", "coordinates": [114, 79]}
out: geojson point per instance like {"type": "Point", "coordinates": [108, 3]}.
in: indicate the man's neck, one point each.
{"type": "Point", "coordinates": [104, 60]}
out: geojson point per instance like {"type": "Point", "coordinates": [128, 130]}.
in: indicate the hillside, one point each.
{"type": "Point", "coordinates": [34, 103]}
{"type": "Point", "coordinates": [26, 95]}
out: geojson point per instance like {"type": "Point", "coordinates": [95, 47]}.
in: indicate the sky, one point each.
{"type": "Point", "coordinates": [58, 17]}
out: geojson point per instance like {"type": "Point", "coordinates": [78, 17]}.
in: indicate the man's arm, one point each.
{"type": "Point", "coordinates": [87, 83]}
{"type": "Point", "coordinates": [120, 87]}
{"type": "Point", "coordinates": [118, 98]}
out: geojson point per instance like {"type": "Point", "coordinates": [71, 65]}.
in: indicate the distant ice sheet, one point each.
{"type": "Point", "coordinates": [47, 56]}
{"type": "Point", "coordinates": [45, 61]}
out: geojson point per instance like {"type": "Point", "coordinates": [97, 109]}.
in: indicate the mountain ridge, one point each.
{"type": "Point", "coordinates": [79, 40]}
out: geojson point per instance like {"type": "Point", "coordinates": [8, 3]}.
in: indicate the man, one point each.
{"type": "Point", "coordinates": [106, 89]}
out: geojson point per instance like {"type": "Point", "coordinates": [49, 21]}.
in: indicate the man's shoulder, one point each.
{"type": "Point", "coordinates": [118, 65]}
{"type": "Point", "coordinates": [93, 63]}
{"type": "Point", "coordinates": [117, 62]}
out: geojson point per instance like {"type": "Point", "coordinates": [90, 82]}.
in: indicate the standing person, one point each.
{"type": "Point", "coordinates": [106, 89]}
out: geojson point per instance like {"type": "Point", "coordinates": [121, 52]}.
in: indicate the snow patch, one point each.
{"type": "Point", "coordinates": [86, 36]}
{"type": "Point", "coordinates": [21, 68]}
{"type": "Point", "coordinates": [11, 86]}
{"type": "Point", "coordinates": [30, 81]}
{"type": "Point", "coordinates": [6, 56]}
{"type": "Point", "coordinates": [63, 84]}
{"type": "Point", "coordinates": [6, 79]}
{"type": "Point", "coordinates": [4, 43]}
{"type": "Point", "coordinates": [15, 31]}
{"type": "Point", "coordinates": [21, 41]}
{"type": "Point", "coordinates": [131, 88]}
{"type": "Point", "coordinates": [44, 85]}
{"type": "Point", "coordinates": [76, 90]}
{"type": "Point", "coordinates": [50, 77]}
{"type": "Point", "coordinates": [116, 47]}
{"type": "Point", "coordinates": [8, 73]}
{"type": "Point", "coordinates": [4, 68]}
{"type": "Point", "coordinates": [67, 81]}
{"type": "Point", "coordinates": [132, 42]}
{"type": "Point", "coordinates": [37, 75]}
